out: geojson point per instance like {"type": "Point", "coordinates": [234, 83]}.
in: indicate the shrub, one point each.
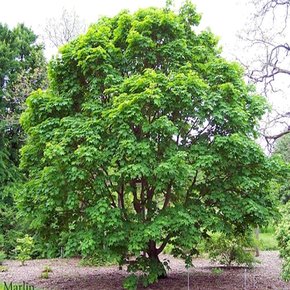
{"type": "Point", "coordinates": [24, 249]}
{"type": "Point", "coordinates": [45, 272]}
{"type": "Point", "coordinates": [229, 250]}
{"type": "Point", "coordinates": [47, 269]}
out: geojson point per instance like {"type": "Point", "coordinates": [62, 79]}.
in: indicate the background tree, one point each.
{"type": "Point", "coordinates": [269, 28]}
{"type": "Point", "coordinates": [282, 148]}
{"type": "Point", "coordinates": [268, 49]}
{"type": "Point", "coordinates": [269, 37]}
{"type": "Point", "coordinates": [60, 31]}
{"type": "Point", "coordinates": [22, 70]}
{"type": "Point", "coordinates": [144, 138]}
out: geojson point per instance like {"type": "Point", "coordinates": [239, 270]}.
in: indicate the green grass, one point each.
{"type": "Point", "coordinates": [15, 284]}
{"type": "Point", "coordinates": [97, 261]}
{"type": "Point", "coordinates": [268, 242]}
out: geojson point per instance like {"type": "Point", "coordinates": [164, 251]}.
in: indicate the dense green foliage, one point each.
{"type": "Point", "coordinates": [144, 138]}
{"type": "Point", "coordinates": [22, 70]}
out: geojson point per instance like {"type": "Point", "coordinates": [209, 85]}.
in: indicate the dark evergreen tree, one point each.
{"type": "Point", "coordinates": [22, 70]}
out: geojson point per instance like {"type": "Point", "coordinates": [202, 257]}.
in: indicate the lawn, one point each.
{"type": "Point", "coordinates": [268, 242]}
{"type": "Point", "coordinates": [267, 239]}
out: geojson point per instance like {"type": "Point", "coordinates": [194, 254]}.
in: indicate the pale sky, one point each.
{"type": "Point", "coordinates": [224, 17]}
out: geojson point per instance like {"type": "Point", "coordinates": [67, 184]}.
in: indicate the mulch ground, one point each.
{"type": "Point", "coordinates": [68, 274]}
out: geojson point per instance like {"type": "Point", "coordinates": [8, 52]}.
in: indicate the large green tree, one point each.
{"type": "Point", "coordinates": [22, 70]}
{"type": "Point", "coordinates": [144, 138]}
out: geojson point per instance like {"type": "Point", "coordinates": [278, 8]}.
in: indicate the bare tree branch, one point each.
{"type": "Point", "coordinates": [66, 28]}
{"type": "Point", "coordinates": [267, 41]}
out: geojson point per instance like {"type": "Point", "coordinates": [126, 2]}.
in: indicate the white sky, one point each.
{"type": "Point", "coordinates": [224, 17]}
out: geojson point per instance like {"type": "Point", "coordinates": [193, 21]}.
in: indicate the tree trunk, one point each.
{"type": "Point", "coordinates": [154, 259]}
{"type": "Point", "coordinates": [257, 236]}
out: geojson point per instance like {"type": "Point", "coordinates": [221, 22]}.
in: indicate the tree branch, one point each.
{"type": "Point", "coordinates": [277, 136]}
{"type": "Point", "coordinates": [167, 195]}
{"type": "Point", "coordinates": [163, 245]}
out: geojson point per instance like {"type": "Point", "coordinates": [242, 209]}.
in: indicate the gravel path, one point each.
{"type": "Point", "coordinates": [67, 274]}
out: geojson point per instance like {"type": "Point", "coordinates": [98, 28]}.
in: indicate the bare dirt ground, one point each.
{"type": "Point", "coordinates": [67, 274]}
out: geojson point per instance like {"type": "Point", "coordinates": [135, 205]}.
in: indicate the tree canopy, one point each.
{"type": "Point", "coordinates": [145, 137]}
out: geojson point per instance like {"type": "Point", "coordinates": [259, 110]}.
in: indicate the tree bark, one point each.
{"type": "Point", "coordinates": [257, 236]}
{"type": "Point", "coordinates": [153, 253]}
